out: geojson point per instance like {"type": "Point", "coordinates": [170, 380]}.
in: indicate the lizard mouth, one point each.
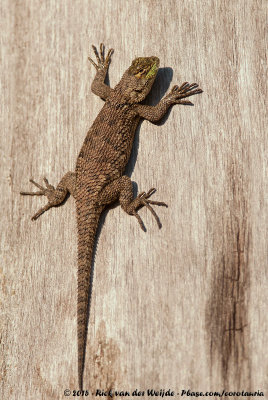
{"type": "Point", "coordinates": [153, 70]}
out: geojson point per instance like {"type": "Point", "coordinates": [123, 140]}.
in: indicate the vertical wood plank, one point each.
{"type": "Point", "coordinates": [183, 307]}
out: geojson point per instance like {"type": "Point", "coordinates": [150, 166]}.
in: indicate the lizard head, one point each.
{"type": "Point", "coordinates": [144, 68]}
{"type": "Point", "coordinates": [140, 77]}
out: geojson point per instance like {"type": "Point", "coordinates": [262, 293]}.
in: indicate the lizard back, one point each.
{"type": "Point", "coordinates": [107, 147]}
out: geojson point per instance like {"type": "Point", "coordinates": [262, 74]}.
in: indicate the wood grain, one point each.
{"type": "Point", "coordinates": [184, 307]}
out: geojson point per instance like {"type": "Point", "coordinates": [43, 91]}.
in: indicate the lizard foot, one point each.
{"type": "Point", "coordinates": [53, 195]}
{"type": "Point", "coordinates": [103, 62]}
{"type": "Point", "coordinates": [185, 90]}
{"type": "Point", "coordinates": [142, 200]}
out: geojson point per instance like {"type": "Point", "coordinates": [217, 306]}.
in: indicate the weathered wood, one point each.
{"type": "Point", "coordinates": [180, 308]}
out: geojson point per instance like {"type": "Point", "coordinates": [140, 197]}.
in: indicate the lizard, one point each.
{"type": "Point", "coordinates": [99, 178]}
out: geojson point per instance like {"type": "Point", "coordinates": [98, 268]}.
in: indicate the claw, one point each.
{"type": "Point", "coordinates": [48, 191]}
{"type": "Point", "coordinates": [141, 194]}
{"type": "Point", "coordinates": [185, 90]}
{"type": "Point", "coordinates": [183, 85]}
{"type": "Point", "coordinates": [41, 211]}
{"type": "Point", "coordinates": [146, 204]}
{"type": "Point", "coordinates": [142, 200]}
{"type": "Point", "coordinates": [150, 192]}
{"type": "Point", "coordinates": [93, 63]}
{"type": "Point", "coordinates": [102, 62]}
{"type": "Point", "coordinates": [190, 93]}
{"type": "Point", "coordinates": [193, 86]}
{"type": "Point", "coordinates": [50, 187]}
{"type": "Point", "coordinates": [157, 203]}
{"type": "Point", "coordinates": [108, 58]}
{"type": "Point", "coordinates": [110, 52]}
{"type": "Point", "coordinates": [40, 193]}
{"type": "Point", "coordinates": [185, 102]}
{"type": "Point", "coordinates": [96, 54]}
{"type": "Point", "coordinates": [37, 184]}
{"type": "Point", "coordinates": [102, 52]}
{"type": "Point", "coordinates": [139, 220]}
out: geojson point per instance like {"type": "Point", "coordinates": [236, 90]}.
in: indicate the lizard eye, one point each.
{"type": "Point", "coordinates": [140, 72]}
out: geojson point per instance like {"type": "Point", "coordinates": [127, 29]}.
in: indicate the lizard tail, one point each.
{"type": "Point", "coordinates": [87, 224]}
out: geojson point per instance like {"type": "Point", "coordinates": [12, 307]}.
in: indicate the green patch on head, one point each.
{"type": "Point", "coordinates": [152, 72]}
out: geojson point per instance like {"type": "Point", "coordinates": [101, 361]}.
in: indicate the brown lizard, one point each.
{"type": "Point", "coordinates": [99, 177]}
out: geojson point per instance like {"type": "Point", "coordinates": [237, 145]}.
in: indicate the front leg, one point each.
{"type": "Point", "coordinates": [176, 96]}
{"type": "Point", "coordinates": [98, 86]}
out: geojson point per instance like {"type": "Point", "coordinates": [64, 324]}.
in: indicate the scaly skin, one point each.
{"type": "Point", "coordinates": [98, 179]}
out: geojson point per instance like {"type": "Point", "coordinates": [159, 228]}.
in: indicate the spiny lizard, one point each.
{"type": "Point", "coordinates": [99, 177]}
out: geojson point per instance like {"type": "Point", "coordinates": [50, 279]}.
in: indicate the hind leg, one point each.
{"type": "Point", "coordinates": [55, 196]}
{"type": "Point", "coordinates": [121, 189]}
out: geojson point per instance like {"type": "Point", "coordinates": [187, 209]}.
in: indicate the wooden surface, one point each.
{"type": "Point", "coordinates": [184, 307]}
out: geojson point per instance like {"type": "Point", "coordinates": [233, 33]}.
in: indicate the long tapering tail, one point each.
{"type": "Point", "coordinates": [87, 224]}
